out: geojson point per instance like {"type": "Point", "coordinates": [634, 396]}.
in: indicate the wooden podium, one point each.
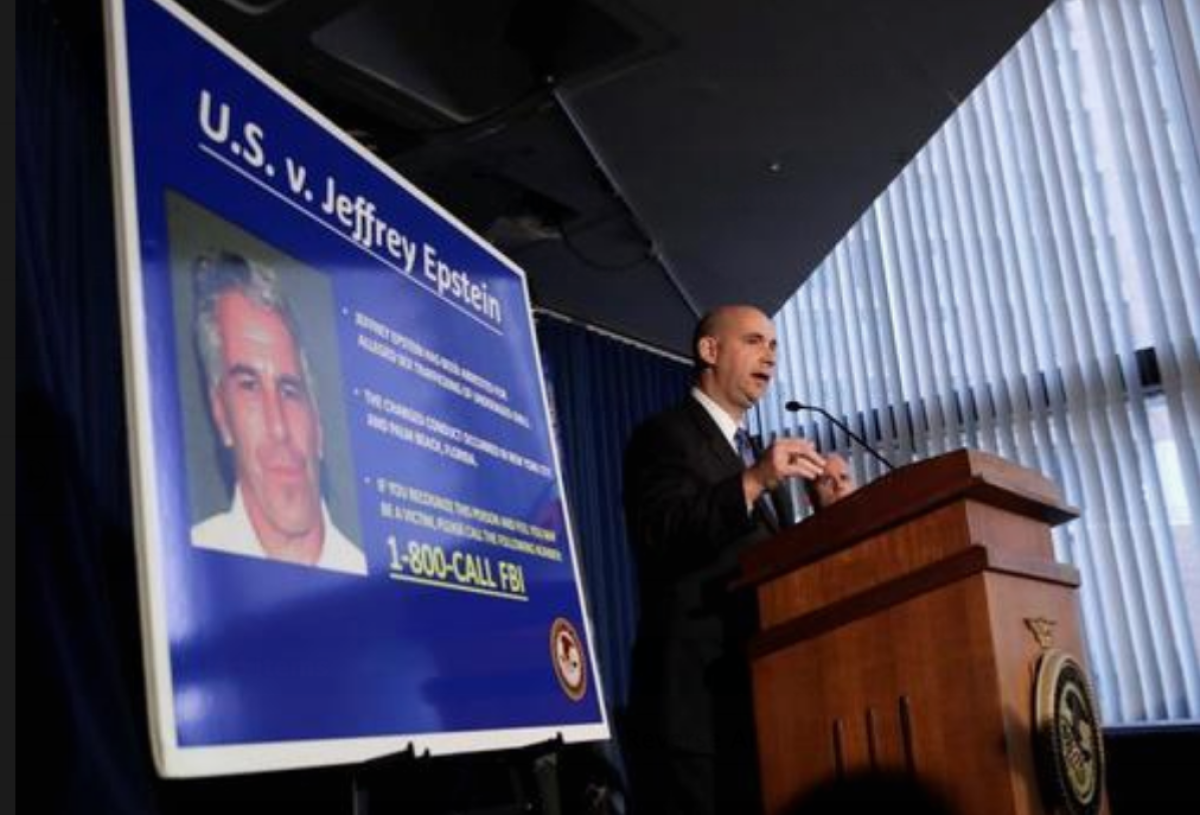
{"type": "Point", "coordinates": [902, 630]}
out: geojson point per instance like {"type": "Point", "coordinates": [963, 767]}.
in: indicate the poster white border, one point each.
{"type": "Point", "coordinates": [171, 759]}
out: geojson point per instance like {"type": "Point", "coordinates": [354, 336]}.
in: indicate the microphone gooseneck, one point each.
{"type": "Point", "coordinates": [792, 406]}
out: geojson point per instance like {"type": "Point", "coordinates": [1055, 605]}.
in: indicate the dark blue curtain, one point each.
{"type": "Point", "coordinates": [601, 388]}
{"type": "Point", "coordinates": [82, 700]}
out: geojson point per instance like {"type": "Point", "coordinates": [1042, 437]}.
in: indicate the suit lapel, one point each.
{"type": "Point", "coordinates": [718, 453]}
{"type": "Point", "coordinates": [766, 507]}
{"type": "Point", "coordinates": [725, 461]}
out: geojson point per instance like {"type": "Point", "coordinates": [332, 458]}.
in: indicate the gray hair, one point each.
{"type": "Point", "coordinates": [221, 273]}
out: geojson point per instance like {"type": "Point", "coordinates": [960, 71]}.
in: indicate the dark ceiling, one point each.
{"type": "Point", "coordinates": [642, 160]}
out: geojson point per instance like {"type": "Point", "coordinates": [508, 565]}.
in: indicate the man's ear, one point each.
{"type": "Point", "coordinates": [220, 418]}
{"type": "Point", "coordinates": [707, 347]}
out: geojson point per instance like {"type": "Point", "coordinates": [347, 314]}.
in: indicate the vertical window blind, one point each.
{"type": "Point", "coordinates": [1030, 286]}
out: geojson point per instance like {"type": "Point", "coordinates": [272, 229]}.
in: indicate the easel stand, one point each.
{"type": "Point", "coordinates": [509, 782]}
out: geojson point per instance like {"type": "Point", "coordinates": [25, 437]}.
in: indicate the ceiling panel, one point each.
{"type": "Point", "coordinates": [642, 160]}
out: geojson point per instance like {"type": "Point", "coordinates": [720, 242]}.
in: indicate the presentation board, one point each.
{"type": "Point", "coordinates": [352, 531]}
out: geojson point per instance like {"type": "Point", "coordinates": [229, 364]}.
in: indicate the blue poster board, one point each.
{"type": "Point", "coordinates": [352, 530]}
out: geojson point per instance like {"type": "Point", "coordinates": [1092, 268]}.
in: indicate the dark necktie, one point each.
{"type": "Point", "coordinates": [742, 440]}
{"type": "Point", "coordinates": [746, 450]}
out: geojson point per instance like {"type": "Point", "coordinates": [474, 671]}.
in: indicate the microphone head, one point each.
{"type": "Point", "coordinates": [792, 406]}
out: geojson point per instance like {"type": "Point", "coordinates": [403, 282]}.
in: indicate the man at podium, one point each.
{"type": "Point", "coordinates": [697, 492]}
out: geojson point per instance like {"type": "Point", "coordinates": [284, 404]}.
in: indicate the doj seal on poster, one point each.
{"type": "Point", "coordinates": [1067, 733]}
{"type": "Point", "coordinates": [566, 654]}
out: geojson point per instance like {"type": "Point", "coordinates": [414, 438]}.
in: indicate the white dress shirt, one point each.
{"type": "Point", "coordinates": [232, 532]}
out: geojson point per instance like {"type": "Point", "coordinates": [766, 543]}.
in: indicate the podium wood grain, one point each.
{"type": "Point", "coordinates": [893, 633]}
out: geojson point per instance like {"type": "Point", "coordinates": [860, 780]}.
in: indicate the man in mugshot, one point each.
{"type": "Point", "coordinates": [264, 409]}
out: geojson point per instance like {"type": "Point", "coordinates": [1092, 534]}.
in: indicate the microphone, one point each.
{"type": "Point", "coordinates": [793, 406]}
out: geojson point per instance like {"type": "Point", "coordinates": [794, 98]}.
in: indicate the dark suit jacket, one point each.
{"type": "Point", "coordinates": [687, 521]}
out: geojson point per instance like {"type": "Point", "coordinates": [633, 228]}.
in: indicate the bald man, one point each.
{"type": "Point", "coordinates": [694, 499]}
{"type": "Point", "coordinates": [832, 485]}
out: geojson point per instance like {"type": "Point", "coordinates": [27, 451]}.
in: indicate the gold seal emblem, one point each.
{"type": "Point", "coordinates": [566, 655]}
{"type": "Point", "coordinates": [1042, 630]}
{"type": "Point", "coordinates": [1067, 733]}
